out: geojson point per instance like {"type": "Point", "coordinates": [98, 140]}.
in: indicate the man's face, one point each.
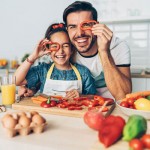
{"type": "Point", "coordinates": [83, 40]}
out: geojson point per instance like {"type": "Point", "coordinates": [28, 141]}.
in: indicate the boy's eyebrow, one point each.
{"type": "Point", "coordinates": [66, 43]}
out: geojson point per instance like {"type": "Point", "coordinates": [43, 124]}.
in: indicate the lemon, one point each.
{"type": "Point", "coordinates": [142, 104]}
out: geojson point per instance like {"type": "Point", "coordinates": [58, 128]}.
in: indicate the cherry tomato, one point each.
{"type": "Point", "coordinates": [124, 104]}
{"type": "Point", "coordinates": [136, 144]}
{"type": "Point", "coordinates": [146, 140]}
{"type": "Point", "coordinates": [131, 101]}
{"type": "Point", "coordinates": [132, 107]}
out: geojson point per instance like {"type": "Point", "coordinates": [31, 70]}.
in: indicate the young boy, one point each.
{"type": "Point", "coordinates": [59, 77]}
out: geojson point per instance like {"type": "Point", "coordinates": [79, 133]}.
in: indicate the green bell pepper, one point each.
{"type": "Point", "coordinates": [135, 127]}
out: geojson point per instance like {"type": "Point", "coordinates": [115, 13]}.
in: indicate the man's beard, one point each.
{"type": "Point", "coordinates": [87, 49]}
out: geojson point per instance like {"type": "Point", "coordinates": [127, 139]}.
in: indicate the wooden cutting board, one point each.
{"type": "Point", "coordinates": [26, 104]}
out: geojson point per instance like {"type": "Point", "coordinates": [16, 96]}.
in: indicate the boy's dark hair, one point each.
{"type": "Point", "coordinates": [79, 6]}
{"type": "Point", "coordinates": [53, 28]}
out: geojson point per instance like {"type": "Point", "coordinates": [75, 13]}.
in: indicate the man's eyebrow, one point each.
{"type": "Point", "coordinates": [71, 25]}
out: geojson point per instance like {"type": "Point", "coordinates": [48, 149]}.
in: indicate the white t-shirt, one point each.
{"type": "Point", "coordinates": [121, 55]}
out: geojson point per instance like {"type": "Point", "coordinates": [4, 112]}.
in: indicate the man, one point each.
{"type": "Point", "coordinates": [106, 56]}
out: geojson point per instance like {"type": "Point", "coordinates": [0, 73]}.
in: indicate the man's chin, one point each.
{"type": "Point", "coordinates": [82, 49]}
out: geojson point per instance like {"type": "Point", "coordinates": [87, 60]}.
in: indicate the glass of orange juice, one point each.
{"type": "Point", "coordinates": [8, 89]}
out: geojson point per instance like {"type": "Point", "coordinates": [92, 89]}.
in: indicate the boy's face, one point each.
{"type": "Point", "coordinates": [62, 56]}
{"type": "Point", "coordinates": [83, 40]}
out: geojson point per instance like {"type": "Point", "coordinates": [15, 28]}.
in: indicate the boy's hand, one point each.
{"type": "Point", "coordinates": [72, 94]}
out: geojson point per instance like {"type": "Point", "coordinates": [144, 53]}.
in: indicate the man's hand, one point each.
{"type": "Point", "coordinates": [104, 36]}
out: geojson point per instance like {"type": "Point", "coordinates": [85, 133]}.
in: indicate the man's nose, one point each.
{"type": "Point", "coordinates": [80, 32]}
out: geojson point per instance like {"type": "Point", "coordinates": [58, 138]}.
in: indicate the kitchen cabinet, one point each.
{"type": "Point", "coordinates": [140, 84]}
{"type": "Point", "coordinates": [148, 84]}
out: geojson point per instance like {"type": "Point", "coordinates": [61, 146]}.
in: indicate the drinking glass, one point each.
{"type": "Point", "coordinates": [8, 88]}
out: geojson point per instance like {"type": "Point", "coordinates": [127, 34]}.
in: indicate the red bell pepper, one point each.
{"type": "Point", "coordinates": [48, 103]}
{"type": "Point", "coordinates": [112, 130]}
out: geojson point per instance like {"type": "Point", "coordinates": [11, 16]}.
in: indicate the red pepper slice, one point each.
{"type": "Point", "coordinates": [60, 105]}
{"type": "Point", "coordinates": [97, 108]}
{"type": "Point", "coordinates": [80, 98]}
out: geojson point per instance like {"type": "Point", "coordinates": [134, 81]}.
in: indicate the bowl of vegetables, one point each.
{"type": "Point", "coordinates": [136, 103]}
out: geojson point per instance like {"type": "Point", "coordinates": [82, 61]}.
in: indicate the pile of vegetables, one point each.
{"type": "Point", "coordinates": [113, 128]}
{"type": "Point", "coordinates": [138, 100]}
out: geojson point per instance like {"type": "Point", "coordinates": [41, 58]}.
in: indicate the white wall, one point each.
{"type": "Point", "coordinates": [24, 22]}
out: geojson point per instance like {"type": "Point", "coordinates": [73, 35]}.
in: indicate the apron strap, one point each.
{"type": "Point", "coordinates": [72, 66]}
{"type": "Point", "coordinates": [50, 71]}
{"type": "Point", "coordinates": [76, 71]}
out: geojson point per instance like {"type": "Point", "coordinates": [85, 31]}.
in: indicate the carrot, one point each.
{"type": "Point", "coordinates": [40, 98]}
{"type": "Point", "coordinates": [36, 101]}
{"type": "Point", "coordinates": [137, 94]}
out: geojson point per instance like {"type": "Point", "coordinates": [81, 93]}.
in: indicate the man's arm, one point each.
{"type": "Point", "coordinates": [118, 79]}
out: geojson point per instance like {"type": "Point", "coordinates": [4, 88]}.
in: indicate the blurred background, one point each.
{"type": "Point", "coordinates": [23, 24]}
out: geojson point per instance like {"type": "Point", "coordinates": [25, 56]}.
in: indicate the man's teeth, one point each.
{"type": "Point", "coordinates": [81, 40]}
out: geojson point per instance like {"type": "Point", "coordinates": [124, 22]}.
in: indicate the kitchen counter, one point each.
{"type": "Point", "coordinates": [140, 73]}
{"type": "Point", "coordinates": [61, 133]}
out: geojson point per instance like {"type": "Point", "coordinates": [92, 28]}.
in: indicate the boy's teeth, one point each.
{"type": "Point", "coordinates": [59, 56]}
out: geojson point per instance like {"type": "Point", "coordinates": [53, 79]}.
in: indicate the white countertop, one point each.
{"type": "Point", "coordinates": [62, 133]}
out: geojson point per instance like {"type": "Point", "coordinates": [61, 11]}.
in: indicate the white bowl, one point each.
{"type": "Point", "coordinates": [129, 111]}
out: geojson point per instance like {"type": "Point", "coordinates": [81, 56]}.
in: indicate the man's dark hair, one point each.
{"type": "Point", "coordinates": [79, 6]}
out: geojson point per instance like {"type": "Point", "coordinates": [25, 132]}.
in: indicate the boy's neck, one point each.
{"type": "Point", "coordinates": [63, 67]}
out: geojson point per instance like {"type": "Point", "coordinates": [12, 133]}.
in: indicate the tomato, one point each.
{"type": "Point", "coordinates": [136, 144]}
{"type": "Point", "coordinates": [131, 101]}
{"type": "Point", "coordinates": [53, 103]}
{"type": "Point", "coordinates": [146, 140]}
{"type": "Point", "coordinates": [124, 104]}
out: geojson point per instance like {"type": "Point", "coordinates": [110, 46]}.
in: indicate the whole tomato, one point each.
{"type": "Point", "coordinates": [124, 104]}
{"type": "Point", "coordinates": [146, 140]}
{"type": "Point", "coordinates": [136, 144]}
